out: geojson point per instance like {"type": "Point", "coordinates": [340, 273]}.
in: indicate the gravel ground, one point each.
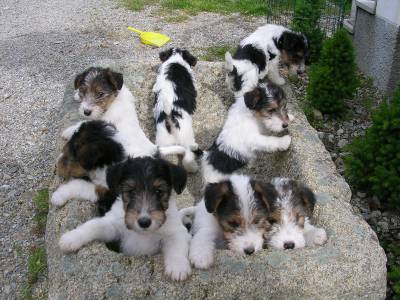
{"type": "Point", "coordinates": [43, 44]}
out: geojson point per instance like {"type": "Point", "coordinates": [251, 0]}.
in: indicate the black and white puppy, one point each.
{"type": "Point", "coordinates": [144, 219]}
{"type": "Point", "coordinates": [259, 55]}
{"type": "Point", "coordinates": [235, 210]}
{"type": "Point", "coordinates": [252, 122]}
{"type": "Point", "coordinates": [175, 103]}
{"type": "Point", "coordinates": [290, 220]}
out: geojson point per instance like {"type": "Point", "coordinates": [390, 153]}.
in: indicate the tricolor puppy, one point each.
{"type": "Point", "coordinates": [103, 96]}
{"type": "Point", "coordinates": [291, 226]}
{"type": "Point", "coordinates": [144, 218]}
{"type": "Point", "coordinates": [175, 103]}
{"type": "Point", "coordinates": [252, 122]}
{"type": "Point", "coordinates": [259, 55]}
{"type": "Point", "coordinates": [235, 210]}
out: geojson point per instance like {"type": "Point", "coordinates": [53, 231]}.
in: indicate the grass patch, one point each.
{"type": "Point", "coordinates": [216, 53]}
{"type": "Point", "coordinates": [37, 267]}
{"type": "Point", "coordinates": [245, 7]}
{"type": "Point", "coordinates": [176, 19]}
{"type": "Point", "coordinates": [41, 201]}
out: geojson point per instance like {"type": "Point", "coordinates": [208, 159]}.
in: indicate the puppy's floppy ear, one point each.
{"type": "Point", "coordinates": [178, 177]}
{"type": "Point", "coordinates": [251, 98]}
{"type": "Point", "coordinates": [79, 79]}
{"type": "Point", "coordinates": [164, 55]}
{"type": "Point", "coordinates": [116, 79]}
{"type": "Point", "coordinates": [114, 176]}
{"type": "Point", "coordinates": [215, 193]}
{"type": "Point", "coordinates": [266, 192]}
{"type": "Point", "coordinates": [307, 198]}
{"type": "Point", "coordinates": [189, 58]}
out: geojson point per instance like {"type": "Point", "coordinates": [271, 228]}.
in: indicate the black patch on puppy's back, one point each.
{"type": "Point", "coordinates": [222, 162]}
{"type": "Point", "coordinates": [184, 87]}
{"type": "Point", "coordinates": [93, 146]}
{"type": "Point", "coordinates": [251, 53]}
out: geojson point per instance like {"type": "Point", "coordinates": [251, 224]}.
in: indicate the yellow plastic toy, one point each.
{"type": "Point", "coordinates": [151, 38]}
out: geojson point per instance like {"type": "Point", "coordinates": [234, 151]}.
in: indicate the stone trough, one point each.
{"type": "Point", "coordinates": [350, 265]}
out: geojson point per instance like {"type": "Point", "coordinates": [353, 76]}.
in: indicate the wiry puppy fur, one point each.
{"type": "Point", "coordinates": [259, 55]}
{"type": "Point", "coordinates": [175, 103]}
{"type": "Point", "coordinates": [291, 217]}
{"type": "Point", "coordinates": [144, 219]}
{"type": "Point", "coordinates": [103, 96]}
{"type": "Point", "coordinates": [236, 210]}
{"type": "Point", "coordinates": [252, 120]}
{"type": "Point", "coordinates": [85, 157]}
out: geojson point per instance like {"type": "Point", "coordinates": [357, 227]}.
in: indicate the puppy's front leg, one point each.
{"type": "Point", "coordinates": [202, 248]}
{"type": "Point", "coordinates": [97, 229]}
{"type": "Point", "coordinates": [314, 236]}
{"type": "Point", "coordinates": [176, 250]}
{"type": "Point", "coordinates": [272, 143]}
{"type": "Point", "coordinates": [69, 132]}
{"type": "Point", "coordinates": [273, 73]}
{"type": "Point", "coordinates": [75, 188]}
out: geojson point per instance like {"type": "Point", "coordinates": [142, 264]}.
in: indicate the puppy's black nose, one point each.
{"type": "Point", "coordinates": [249, 250]}
{"type": "Point", "coordinates": [300, 71]}
{"type": "Point", "coordinates": [87, 112]}
{"type": "Point", "coordinates": [285, 125]}
{"type": "Point", "coordinates": [288, 245]}
{"type": "Point", "coordinates": [144, 222]}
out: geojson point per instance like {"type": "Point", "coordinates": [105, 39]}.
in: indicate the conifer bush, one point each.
{"type": "Point", "coordinates": [373, 164]}
{"type": "Point", "coordinates": [306, 20]}
{"type": "Point", "coordinates": [334, 78]}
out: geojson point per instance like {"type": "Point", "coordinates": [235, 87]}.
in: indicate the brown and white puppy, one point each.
{"type": "Point", "coordinates": [252, 124]}
{"type": "Point", "coordinates": [235, 210]}
{"type": "Point", "coordinates": [291, 216]}
{"type": "Point", "coordinates": [144, 218]}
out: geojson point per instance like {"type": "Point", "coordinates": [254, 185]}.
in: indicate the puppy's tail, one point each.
{"type": "Point", "coordinates": [228, 62]}
{"type": "Point", "coordinates": [171, 150]}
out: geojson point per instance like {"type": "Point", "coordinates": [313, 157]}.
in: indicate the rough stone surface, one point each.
{"type": "Point", "coordinates": [350, 265]}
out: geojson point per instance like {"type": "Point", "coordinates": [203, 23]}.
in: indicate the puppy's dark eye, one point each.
{"type": "Point", "coordinates": [234, 224]}
{"type": "Point", "coordinates": [99, 95]}
{"type": "Point", "coordinates": [272, 110]}
{"type": "Point", "coordinates": [159, 192]}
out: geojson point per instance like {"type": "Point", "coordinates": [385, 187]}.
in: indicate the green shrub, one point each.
{"type": "Point", "coordinates": [306, 20]}
{"type": "Point", "coordinates": [334, 78]}
{"type": "Point", "coordinates": [374, 160]}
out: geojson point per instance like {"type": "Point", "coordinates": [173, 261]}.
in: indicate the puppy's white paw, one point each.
{"type": "Point", "coordinates": [194, 147]}
{"type": "Point", "coordinates": [178, 269]}
{"type": "Point", "coordinates": [279, 81]}
{"type": "Point", "coordinates": [58, 198]}
{"type": "Point", "coordinates": [70, 241]}
{"type": "Point", "coordinates": [201, 259]}
{"type": "Point", "coordinates": [319, 236]}
{"type": "Point", "coordinates": [291, 117]}
{"type": "Point", "coordinates": [68, 133]}
{"type": "Point", "coordinates": [190, 166]}
{"type": "Point", "coordinates": [284, 142]}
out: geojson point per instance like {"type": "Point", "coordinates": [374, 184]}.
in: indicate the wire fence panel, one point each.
{"type": "Point", "coordinates": [333, 12]}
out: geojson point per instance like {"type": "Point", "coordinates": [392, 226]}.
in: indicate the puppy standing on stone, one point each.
{"type": "Point", "coordinates": [175, 103]}
{"type": "Point", "coordinates": [144, 218]}
{"type": "Point", "coordinates": [104, 97]}
{"type": "Point", "coordinates": [252, 122]}
{"type": "Point", "coordinates": [290, 221]}
{"type": "Point", "coordinates": [259, 55]}
{"type": "Point", "coordinates": [235, 210]}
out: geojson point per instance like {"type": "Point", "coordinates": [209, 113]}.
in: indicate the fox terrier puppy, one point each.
{"type": "Point", "coordinates": [235, 210]}
{"type": "Point", "coordinates": [103, 96]}
{"type": "Point", "coordinates": [251, 123]}
{"type": "Point", "coordinates": [175, 103]}
{"type": "Point", "coordinates": [144, 219]}
{"type": "Point", "coordinates": [290, 220]}
{"type": "Point", "coordinates": [259, 55]}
